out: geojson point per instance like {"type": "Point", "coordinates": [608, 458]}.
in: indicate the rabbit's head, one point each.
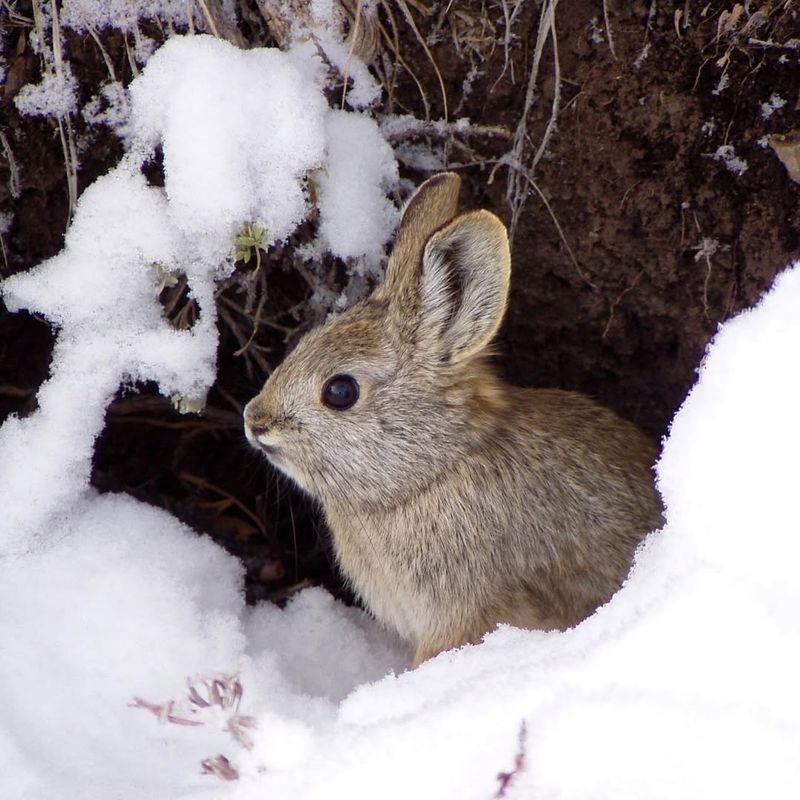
{"type": "Point", "coordinates": [370, 406]}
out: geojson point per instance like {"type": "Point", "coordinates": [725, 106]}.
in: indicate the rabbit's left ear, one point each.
{"type": "Point", "coordinates": [463, 288]}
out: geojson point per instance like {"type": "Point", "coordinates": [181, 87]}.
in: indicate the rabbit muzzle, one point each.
{"type": "Point", "coordinates": [258, 432]}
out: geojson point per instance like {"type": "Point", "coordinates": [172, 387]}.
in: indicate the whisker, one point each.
{"type": "Point", "coordinates": [294, 538]}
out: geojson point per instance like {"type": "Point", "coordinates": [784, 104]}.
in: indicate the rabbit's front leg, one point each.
{"type": "Point", "coordinates": [432, 646]}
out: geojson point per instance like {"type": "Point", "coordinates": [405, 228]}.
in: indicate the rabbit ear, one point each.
{"type": "Point", "coordinates": [434, 204]}
{"type": "Point", "coordinates": [463, 288]}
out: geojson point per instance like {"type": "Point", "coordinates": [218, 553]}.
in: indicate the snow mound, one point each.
{"type": "Point", "coordinates": [352, 191]}
{"type": "Point", "coordinates": [240, 129]}
{"type": "Point", "coordinates": [683, 685]}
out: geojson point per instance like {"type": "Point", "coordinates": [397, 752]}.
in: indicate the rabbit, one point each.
{"type": "Point", "coordinates": [456, 501]}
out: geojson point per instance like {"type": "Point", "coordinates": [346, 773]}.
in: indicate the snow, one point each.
{"type": "Point", "coordinates": [352, 191]}
{"type": "Point", "coordinates": [722, 84]}
{"type": "Point", "coordinates": [642, 57]}
{"type": "Point", "coordinates": [82, 15]}
{"type": "Point", "coordinates": [596, 34]}
{"type": "Point", "coordinates": [325, 27]}
{"type": "Point", "coordinates": [55, 95]}
{"type": "Point", "coordinates": [684, 685]}
{"type": "Point", "coordinates": [365, 90]}
{"type": "Point", "coordinates": [727, 156]}
{"type": "Point", "coordinates": [769, 107]}
{"type": "Point", "coordinates": [708, 247]}
{"type": "Point", "coordinates": [239, 128]}
{"type": "Point", "coordinates": [109, 107]}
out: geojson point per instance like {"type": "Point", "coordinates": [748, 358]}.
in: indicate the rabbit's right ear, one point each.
{"type": "Point", "coordinates": [463, 288]}
{"type": "Point", "coordinates": [432, 206]}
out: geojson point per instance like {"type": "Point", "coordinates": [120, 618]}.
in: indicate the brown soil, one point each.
{"type": "Point", "coordinates": [633, 186]}
{"type": "Point", "coordinates": [630, 180]}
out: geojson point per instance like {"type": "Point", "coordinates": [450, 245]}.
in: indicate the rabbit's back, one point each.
{"type": "Point", "coordinates": [535, 524]}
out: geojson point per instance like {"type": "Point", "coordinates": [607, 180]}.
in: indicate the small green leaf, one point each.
{"type": "Point", "coordinates": [250, 238]}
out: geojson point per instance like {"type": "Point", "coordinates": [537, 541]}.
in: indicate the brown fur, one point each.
{"type": "Point", "coordinates": [456, 501]}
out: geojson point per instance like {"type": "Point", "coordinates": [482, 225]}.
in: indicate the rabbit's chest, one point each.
{"type": "Point", "coordinates": [393, 574]}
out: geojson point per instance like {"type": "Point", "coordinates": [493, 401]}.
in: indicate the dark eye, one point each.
{"type": "Point", "coordinates": [340, 392]}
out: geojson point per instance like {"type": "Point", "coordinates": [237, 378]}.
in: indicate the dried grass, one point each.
{"type": "Point", "coordinates": [65, 130]}
{"type": "Point", "coordinates": [521, 167]}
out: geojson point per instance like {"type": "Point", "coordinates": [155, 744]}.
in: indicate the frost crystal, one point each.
{"type": "Point", "coordinates": [722, 85]}
{"type": "Point", "coordinates": [642, 57]}
{"type": "Point", "coordinates": [596, 35]}
{"type": "Point", "coordinates": [56, 95]}
{"type": "Point", "coordinates": [110, 107]}
{"type": "Point", "coordinates": [727, 155]}
{"type": "Point", "coordinates": [775, 103]}
{"type": "Point", "coordinates": [707, 248]}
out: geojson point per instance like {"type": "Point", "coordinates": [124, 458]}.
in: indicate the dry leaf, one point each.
{"type": "Point", "coordinates": [787, 148]}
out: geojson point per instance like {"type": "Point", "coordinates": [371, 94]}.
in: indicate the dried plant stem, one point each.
{"type": "Point", "coordinates": [608, 31]}
{"type": "Point", "coordinates": [64, 125]}
{"type": "Point", "coordinates": [14, 17]}
{"type": "Point", "coordinates": [256, 323]}
{"type": "Point", "coordinates": [5, 263]}
{"type": "Point", "coordinates": [445, 130]}
{"type": "Point", "coordinates": [190, 16]}
{"type": "Point", "coordinates": [354, 34]}
{"type": "Point", "coordinates": [520, 178]}
{"type": "Point", "coordinates": [129, 52]}
{"type": "Point", "coordinates": [13, 169]}
{"type": "Point", "coordinates": [509, 18]}
{"type": "Point", "coordinates": [618, 300]}
{"type": "Point", "coordinates": [535, 187]}
{"type": "Point", "coordinates": [393, 43]}
{"type": "Point", "coordinates": [106, 58]}
{"type": "Point", "coordinates": [202, 483]}
{"type": "Point", "coordinates": [421, 39]}
{"type": "Point", "coordinates": [70, 163]}
{"type": "Point", "coordinates": [220, 24]}
{"type": "Point", "coordinates": [212, 26]}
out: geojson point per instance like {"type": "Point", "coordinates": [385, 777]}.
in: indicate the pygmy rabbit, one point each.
{"type": "Point", "coordinates": [456, 501]}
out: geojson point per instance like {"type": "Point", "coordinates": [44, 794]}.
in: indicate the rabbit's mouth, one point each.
{"type": "Point", "coordinates": [254, 434]}
{"type": "Point", "coordinates": [271, 451]}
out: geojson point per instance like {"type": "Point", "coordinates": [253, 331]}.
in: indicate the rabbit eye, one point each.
{"type": "Point", "coordinates": [340, 392]}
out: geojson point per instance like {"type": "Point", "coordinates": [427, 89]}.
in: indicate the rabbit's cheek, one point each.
{"type": "Point", "coordinates": [287, 469]}
{"type": "Point", "coordinates": [274, 456]}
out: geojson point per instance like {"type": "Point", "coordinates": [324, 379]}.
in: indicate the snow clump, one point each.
{"type": "Point", "coordinates": [768, 108]}
{"type": "Point", "coordinates": [56, 95]}
{"type": "Point", "coordinates": [85, 15]}
{"type": "Point", "coordinates": [733, 163]}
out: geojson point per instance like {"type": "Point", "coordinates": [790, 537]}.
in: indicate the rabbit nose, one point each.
{"type": "Point", "coordinates": [254, 422]}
